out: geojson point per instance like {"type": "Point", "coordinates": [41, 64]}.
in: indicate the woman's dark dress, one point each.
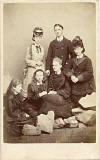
{"type": "Point", "coordinates": [60, 103]}
{"type": "Point", "coordinates": [81, 68]}
{"type": "Point", "coordinates": [14, 116]}
{"type": "Point", "coordinates": [33, 101]}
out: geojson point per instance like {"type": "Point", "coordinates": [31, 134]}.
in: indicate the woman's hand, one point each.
{"type": "Point", "coordinates": [39, 63]}
{"type": "Point", "coordinates": [74, 79]}
{"type": "Point", "coordinates": [52, 92]}
{"type": "Point", "coordinates": [31, 63]}
{"type": "Point", "coordinates": [42, 93]}
{"type": "Point", "coordinates": [47, 72]}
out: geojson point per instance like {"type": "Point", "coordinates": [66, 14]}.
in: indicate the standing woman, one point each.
{"type": "Point", "coordinates": [34, 58]}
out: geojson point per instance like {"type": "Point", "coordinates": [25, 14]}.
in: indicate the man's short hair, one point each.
{"type": "Point", "coordinates": [58, 25]}
{"type": "Point", "coordinates": [57, 59]}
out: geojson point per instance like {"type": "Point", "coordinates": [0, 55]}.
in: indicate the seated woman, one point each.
{"type": "Point", "coordinates": [79, 71]}
{"type": "Point", "coordinates": [15, 117]}
{"type": "Point", "coordinates": [58, 97]}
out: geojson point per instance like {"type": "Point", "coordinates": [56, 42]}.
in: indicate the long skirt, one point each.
{"type": "Point", "coordinates": [13, 126]}
{"type": "Point", "coordinates": [27, 80]}
{"type": "Point", "coordinates": [62, 108]}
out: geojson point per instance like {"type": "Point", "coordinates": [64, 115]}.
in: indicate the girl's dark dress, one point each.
{"type": "Point", "coordinates": [60, 103]}
{"type": "Point", "coordinates": [14, 115]}
{"type": "Point", "coordinates": [81, 68]}
{"type": "Point", "coordinates": [34, 102]}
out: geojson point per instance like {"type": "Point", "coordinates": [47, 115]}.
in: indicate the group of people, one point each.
{"type": "Point", "coordinates": [55, 84]}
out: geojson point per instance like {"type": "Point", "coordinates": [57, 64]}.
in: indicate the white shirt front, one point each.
{"type": "Point", "coordinates": [60, 38]}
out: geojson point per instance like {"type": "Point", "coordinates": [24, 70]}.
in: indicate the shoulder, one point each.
{"type": "Point", "coordinates": [30, 46]}
{"type": "Point", "coordinates": [53, 42]}
{"type": "Point", "coordinates": [9, 97]}
{"type": "Point", "coordinates": [87, 59]}
{"type": "Point", "coordinates": [67, 41]}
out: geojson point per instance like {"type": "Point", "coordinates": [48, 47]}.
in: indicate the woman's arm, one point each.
{"type": "Point", "coordinates": [12, 109]}
{"type": "Point", "coordinates": [68, 71]}
{"type": "Point", "coordinates": [28, 59]}
{"type": "Point", "coordinates": [66, 90]}
{"type": "Point", "coordinates": [88, 72]}
{"type": "Point", "coordinates": [33, 92]}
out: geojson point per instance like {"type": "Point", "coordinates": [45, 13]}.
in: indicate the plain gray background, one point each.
{"type": "Point", "coordinates": [19, 19]}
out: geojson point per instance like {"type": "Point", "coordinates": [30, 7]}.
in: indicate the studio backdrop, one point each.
{"type": "Point", "coordinates": [78, 19]}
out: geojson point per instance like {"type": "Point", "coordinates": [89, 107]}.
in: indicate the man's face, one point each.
{"type": "Point", "coordinates": [56, 66]}
{"type": "Point", "coordinates": [58, 31]}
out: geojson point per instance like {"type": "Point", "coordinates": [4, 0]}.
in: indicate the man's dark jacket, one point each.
{"type": "Point", "coordinates": [61, 49]}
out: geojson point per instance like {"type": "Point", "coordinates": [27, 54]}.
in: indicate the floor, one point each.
{"type": "Point", "coordinates": [64, 135]}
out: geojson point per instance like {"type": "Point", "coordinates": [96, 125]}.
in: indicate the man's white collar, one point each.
{"type": "Point", "coordinates": [60, 38]}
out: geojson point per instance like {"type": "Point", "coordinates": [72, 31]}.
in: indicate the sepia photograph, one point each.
{"type": "Point", "coordinates": [49, 78]}
{"type": "Point", "coordinates": [49, 72]}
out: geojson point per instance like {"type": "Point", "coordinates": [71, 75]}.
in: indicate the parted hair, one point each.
{"type": "Point", "coordinates": [58, 25]}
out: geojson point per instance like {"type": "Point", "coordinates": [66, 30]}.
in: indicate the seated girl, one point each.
{"type": "Point", "coordinates": [15, 116]}
{"type": "Point", "coordinates": [58, 97]}
{"type": "Point", "coordinates": [36, 90]}
{"type": "Point", "coordinates": [79, 71]}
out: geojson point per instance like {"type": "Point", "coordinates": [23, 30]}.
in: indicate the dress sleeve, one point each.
{"type": "Point", "coordinates": [33, 93]}
{"type": "Point", "coordinates": [88, 72]}
{"type": "Point", "coordinates": [11, 109]}
{"type": "Point", "coordinates": [68, 70]}
{"type": "Point", "coordinates": [29, 60]}
{"type": "Point", "coordinates": [42, 53]}
{"type": "Point", "coordinates": [71, 50]}
{"type": "Point", "coordinates": [66, 90]}
{"type": "Point", "coordinates": [50, 83]}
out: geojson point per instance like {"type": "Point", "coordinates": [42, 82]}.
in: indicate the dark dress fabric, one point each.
{"type": "Point", "coordinates": [33, 102]}
{"type": "Point", "coordinates": [63, 50]}
{"type": "Point", "coordinates": [81, 68]}
{"type": "Point", "coordinates": [14, 116]}
{"type": "Point", "coordinates": [60, 84]}
{"type": "Point", "coordinates": [60, 103]}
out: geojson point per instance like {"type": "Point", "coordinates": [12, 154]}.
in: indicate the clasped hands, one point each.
{"type": "Point", "coordinates": [45, 92]}
{"type": "Point", "coordinates": [42, 93]}
{"type": "Point", "coordinates": [74, 79]}
{"type": "Point", "coordinates": [52, 92]}
{"type": "Point", "coordinates": [34, 63]}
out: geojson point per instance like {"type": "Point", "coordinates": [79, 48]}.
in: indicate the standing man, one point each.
{"type": "Point", "coordinates": [60, 47]}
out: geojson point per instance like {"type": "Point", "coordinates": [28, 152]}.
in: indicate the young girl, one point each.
{"type": "Point", "coordinates": [36, 90]}
{"type": "Point", "coordinates": [15, 116]}
{"type": "Point", "coordinates": [79, 70]}
{"type": "Point", "coordinates": [34, 58]}
{"type": "Point", "coordinates": [58, 97]}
